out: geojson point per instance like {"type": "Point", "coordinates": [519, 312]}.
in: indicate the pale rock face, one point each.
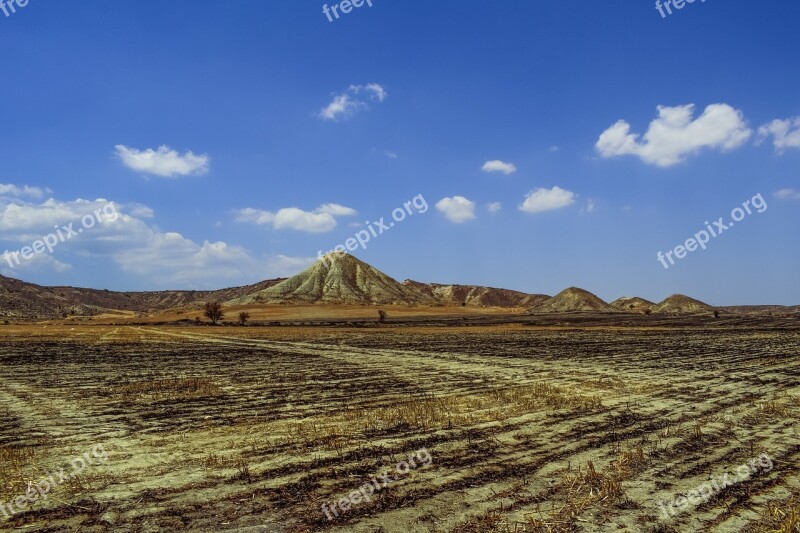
{"type": "Point", "coordinates": [339, 278]}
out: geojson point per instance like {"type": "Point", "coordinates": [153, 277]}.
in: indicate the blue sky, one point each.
{"type": "Point", "coordinates": [283, 133]}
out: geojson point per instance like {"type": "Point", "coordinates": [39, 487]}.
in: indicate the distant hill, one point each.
{"type": "Point", "coordinates": [632, 304]}
{"type": "Point", "coordinates": [476, 296]}
{"type": "Point", "coordinates": [572, 300]}
{"type": "Point", "coordinates": [339, 278]}
{"type": "Point", "coordinates": [678, 304]}
{"type": "Point", "coordinates": [21, 300]}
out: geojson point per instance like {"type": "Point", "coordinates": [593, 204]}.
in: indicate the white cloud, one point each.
{"type": "Point", "coordinates": [674, 135]}
{"type": "Point", "coordinates": [342, 106]}
{"type": "Point", "coordinates": [494, 207]}
{"type": "Point", "coordinates": [139, 210]}
{"type": "Point", "coordinates": [24, 191]}
{"type": "Point", "coordinates": [336, 210]}
{"type": "Point", "coordinates": [785, 133]}
{"type": "Point", "coordinates": [375, 91]}
{"type": "Point", "coordinates": [788, 194]}
{"type": "Point", "coordinates": [172, 258]}
{"type": "Point", "coordinates": [163, 162]}
{"type": "Point", "coordinates": [321, 220]}
{"type": "Point", "coordinates": [166, 259]}
{"type": "Point", "coordinates": [499, 166]}
{"type": "Point", "coordinates": [542, 200]}
{"type": "Point", "coordinates": [282, 266]}
{"type": "Point", "coordinates": [37, 263]}
{"type": "Point", "coordinates": [590, 207]}
{"type": "Point", "coordinates": [347, 104]}
{"type": "Point", "coordinates": [457, 209]}
{"type": "Point", "coordinates": [136, 247]}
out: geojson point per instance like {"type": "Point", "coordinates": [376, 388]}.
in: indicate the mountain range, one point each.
{"type": "Point", "coordinates": [338, 278]}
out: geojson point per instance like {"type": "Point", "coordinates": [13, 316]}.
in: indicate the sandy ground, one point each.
{"type": "Point", "coordinates": [564, 426]}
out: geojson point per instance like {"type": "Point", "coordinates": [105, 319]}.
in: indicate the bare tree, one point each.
{"type": "Point", "coordinates": [213, 311]}
{"type": "Point", "coordinates": [244, 316]}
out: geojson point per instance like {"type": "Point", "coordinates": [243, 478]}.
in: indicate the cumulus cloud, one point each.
{"type": "Point", "coordinates": [336, 210]}
{"type": "Point", "coordinates": [8, 189]}
{"type": "Point", "coordinates": [373, 90]}
{"type": "Point", "coordinates": [785, 133]}
{"type": "Point", "coordinates": [164, 162]}
{"type": "Point", "coordinates": [499, 166]}
{"type": "Point", "coordinates": [126, 240]}
{"type": "Point", "coordinates": [347, 104]}
{"type": "Point", "coordinates": [321, 220]}
{"type": "Point", "coordinates": [282, 266]}
{"type": "Point", "coordinates": [542, 200]}
{"type": "Point", "coordinates": [494, 207]}
{"type": "Point", "coordinates": [139, 210]}
{"type": "Point", "coordinates": [457, 209]}
{"type": "Point", "coordinates": [37, 263]}
{"type": "Point", "coordinates": [787, 194]}
{"type": "Point", "coordinates": [674, 135]}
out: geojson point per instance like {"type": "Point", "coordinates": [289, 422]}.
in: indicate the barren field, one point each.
{"type": "Point", "coordinates": [557, 424]}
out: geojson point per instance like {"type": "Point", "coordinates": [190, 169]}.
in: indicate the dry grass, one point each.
{"type": "Point", "coordinates": [577, 492]}
{"type": "Point", "coordinates": [289, 417]}
{"type": "Point", "coordinates": [431, 412]}
{"type": "Point", "coordinates": [180, 388]}
{"type": "Point", "coordinates": [781, 517]}
{"type": "Point", "coordinates": [13, 463]}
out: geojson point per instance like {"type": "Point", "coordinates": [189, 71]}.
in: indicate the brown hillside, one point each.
{"type": "Point", "coordinates": [678, 304]}
{"type": "Point", "coordinates": [476, 296]}
{"type": "Point", "coordinates": [572, 300]}
{"type": "Point", "coordinates": [632, 304]}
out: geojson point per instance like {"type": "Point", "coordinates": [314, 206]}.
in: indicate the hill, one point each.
{"type": "Point", "coordinates": [475, 296]}
{"type": "Point", "coordinates": [632, 304]}
{"type": "Point", "coordinates": [339, 278]}
{"type": "Point", "coordinates": [678, 304]}
{"type": "Point", "coordinates": [22, 300]}
{"type": "Point", "coordinates": [572, 300]}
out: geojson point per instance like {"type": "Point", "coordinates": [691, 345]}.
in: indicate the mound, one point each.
{"type": "Point", "coordinates": [22, 300]}
{"type": "Point", "coordinates": [571, 300]}
{"type": "Point", "coordinates": [633, 304]}
{"type": "Point", "coordinates": [338, 278]}
{"type": "Point", "coordinates": [475, 296]}
{"type": "Point", "coordinates": [678, 304]}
